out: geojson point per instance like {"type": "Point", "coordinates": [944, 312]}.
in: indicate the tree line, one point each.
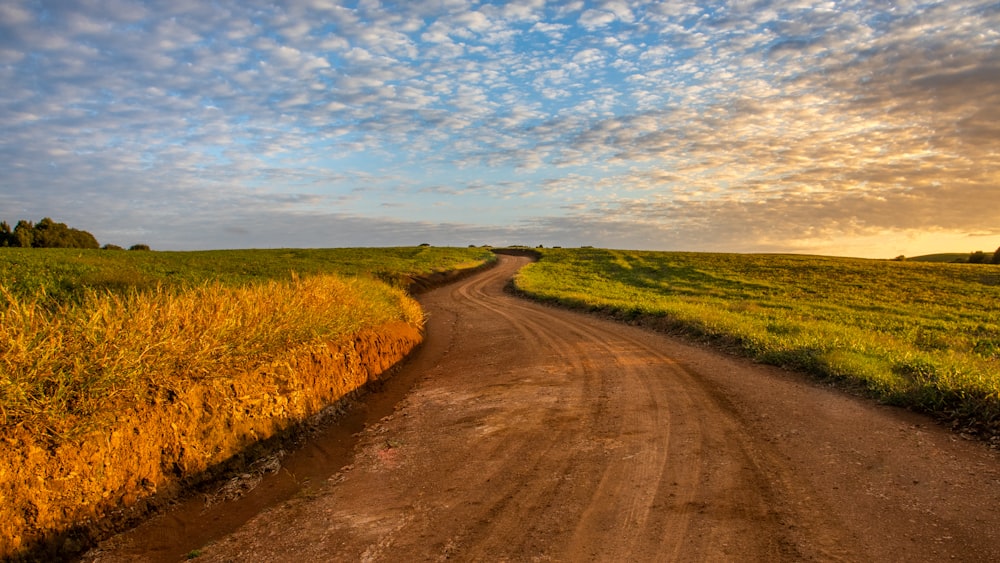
{"type": "Point", "coordinates": [50, 234]}
{"type": "Point", "coordinates": [980, 257]}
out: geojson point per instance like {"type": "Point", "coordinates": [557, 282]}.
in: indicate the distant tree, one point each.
{"type": "Point", "coordinates": [112, 247]}
{"type": "Point", "coordinates": [977, 257]}
{"type": "Point", "coordinates": [139, 247]}
{"type": "Point", "coordinates": [45, 234]}
{"type": "Point", "coordinates": [6, 235]}
{"type": "Point", "coordinates": [49, 234]}
{"type": "Point", "coordinates": [900, 258]}
{"type": "Point", "coordinates": [425, 244]}
{"type": "Point", "coordinates": [24, 233]}
{"type": "Point", "coordinates": [996, 257]}
{"type": "Point", "coordinates": [83, 239]}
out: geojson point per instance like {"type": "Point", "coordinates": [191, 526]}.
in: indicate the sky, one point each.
{"type": "Point", "coordinates": [856, 128]}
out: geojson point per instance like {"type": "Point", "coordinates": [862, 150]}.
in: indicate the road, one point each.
{"type": "Point", "coordinates": [532, 433]}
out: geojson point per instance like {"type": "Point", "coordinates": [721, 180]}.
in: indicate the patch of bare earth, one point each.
{"type": "Point", "coordinates": [538, 434]}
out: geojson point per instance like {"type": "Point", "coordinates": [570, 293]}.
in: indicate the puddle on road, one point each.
{"type": "Point", "coordinates": [192, 523]}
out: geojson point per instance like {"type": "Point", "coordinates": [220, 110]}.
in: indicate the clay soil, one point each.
{"type": "Point", "coordinates": [532, 433]}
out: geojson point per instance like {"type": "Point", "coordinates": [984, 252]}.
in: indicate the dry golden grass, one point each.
{"type": "Point", "coordinates": [63, 369]}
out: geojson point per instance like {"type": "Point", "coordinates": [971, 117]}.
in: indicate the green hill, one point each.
{"type": "Point", "coordinates": [943, 257]}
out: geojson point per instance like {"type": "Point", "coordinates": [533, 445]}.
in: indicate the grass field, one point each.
{"type": "Point", "coordinates": [62, 274]}
{"type": "Point", "coordinates": [83, 332]}
{"type": "Point", "coordinates": [949, 257]}
{"type": "Point", "coordinates": [923, 335]}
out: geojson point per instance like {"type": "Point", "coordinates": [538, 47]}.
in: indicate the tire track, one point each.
{"type": "Point", "coordinates": [522, 502]}
{"type": "Point", "coordinates": [539, 434]}
{"type": "Point", "coordinates": [619, 509]}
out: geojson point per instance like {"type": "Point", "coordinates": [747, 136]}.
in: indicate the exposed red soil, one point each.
{"type": "Point", "coordinates": [534, 433]}
{"type": "Point", "coordinates": [55, 498]}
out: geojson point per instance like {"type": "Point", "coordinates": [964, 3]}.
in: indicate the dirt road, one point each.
{"type": "Point", "coordinates": [537, 434]}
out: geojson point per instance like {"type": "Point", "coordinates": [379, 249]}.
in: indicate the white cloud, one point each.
{"type": "Point", "coordinates": [619, 8]}
{"type": "Point", "coordinates": [524, 10]}
{"type": "Point", "coordinates": [588, 57]}
{"type": "Point", "coordinates": [594, 19]}
{"type": "Point", "coordinates": [472, 21]}
{"type": "Point", "coordinates": [849, 119]}
{"type": "Point", "coordinates": [13, 13]}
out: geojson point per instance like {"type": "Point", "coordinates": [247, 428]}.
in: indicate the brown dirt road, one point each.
{"type": "Point", "coordinates": [538, 434]}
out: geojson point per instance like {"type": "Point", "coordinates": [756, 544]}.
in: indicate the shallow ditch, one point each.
{"type": "Point", "coordinates": [290, 469]}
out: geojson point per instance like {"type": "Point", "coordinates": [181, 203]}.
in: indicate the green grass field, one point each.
{"type": "Point", "coordinates": [63, 273]}
{"type": "Point", "coordinates": [924, 335]}
{"type": "Point", "coordinates": [84, 332]}
{"type": "Point", "coordinates": [948, 257]}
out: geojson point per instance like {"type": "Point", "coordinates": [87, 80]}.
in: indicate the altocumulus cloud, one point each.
{"type": "Point", "coordinates": [849, 127]}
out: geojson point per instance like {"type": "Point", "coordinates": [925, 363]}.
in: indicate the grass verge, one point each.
{"type": "Point", "coordinates": [921, 335]}
{"type": "Point", "coordinates": [61, 367]}
{"type": "Point", "coordinates": [82, 331]}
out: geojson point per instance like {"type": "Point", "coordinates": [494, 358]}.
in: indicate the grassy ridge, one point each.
{"type": "Point", "coordinates": [949, 257]}
{"type": "Point", "coordinates": [82, 332]}
{"type": "Point", "coordinates": [918, 334]}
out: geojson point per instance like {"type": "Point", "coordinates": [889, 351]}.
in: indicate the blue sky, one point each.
{"type": "Point", "coordinates": [863, 128]}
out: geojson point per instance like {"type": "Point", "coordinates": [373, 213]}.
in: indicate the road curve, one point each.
{"type": "Point", "coordinates": [539, 434]}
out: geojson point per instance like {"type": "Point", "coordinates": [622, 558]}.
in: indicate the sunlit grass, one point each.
{"type": "Point", "coordinates": [63, 366]}
{"type": "Point", "coordinates": [64, 273]}
{"type": "Point", "coordinates": [83, 333]}
{"type": "Point", "coordinates": [917, 334]}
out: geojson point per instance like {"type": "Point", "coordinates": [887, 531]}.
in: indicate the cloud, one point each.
{"type": "Point", "coordinates": [595, 19]}
{"type": "Point", "coordinates": [845, 119]}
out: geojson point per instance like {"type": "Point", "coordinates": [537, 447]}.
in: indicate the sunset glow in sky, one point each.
{"type": "Point", "coordinates": [862, 128]}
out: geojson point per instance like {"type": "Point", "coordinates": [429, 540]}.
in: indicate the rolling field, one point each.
{"type": "Point", "coordinates": [64, 274]}
{"type": "Point", "coordinates": [922, 335]}
{"type": "Point", "coordinates": [82, 331]}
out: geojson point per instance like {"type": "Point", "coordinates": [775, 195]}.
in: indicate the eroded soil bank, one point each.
{"type": "Point", "coordinates": [55, 500]}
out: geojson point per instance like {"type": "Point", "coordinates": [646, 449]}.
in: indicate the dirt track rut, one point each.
{"type": "Point", "coordinates": [538, 434]}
